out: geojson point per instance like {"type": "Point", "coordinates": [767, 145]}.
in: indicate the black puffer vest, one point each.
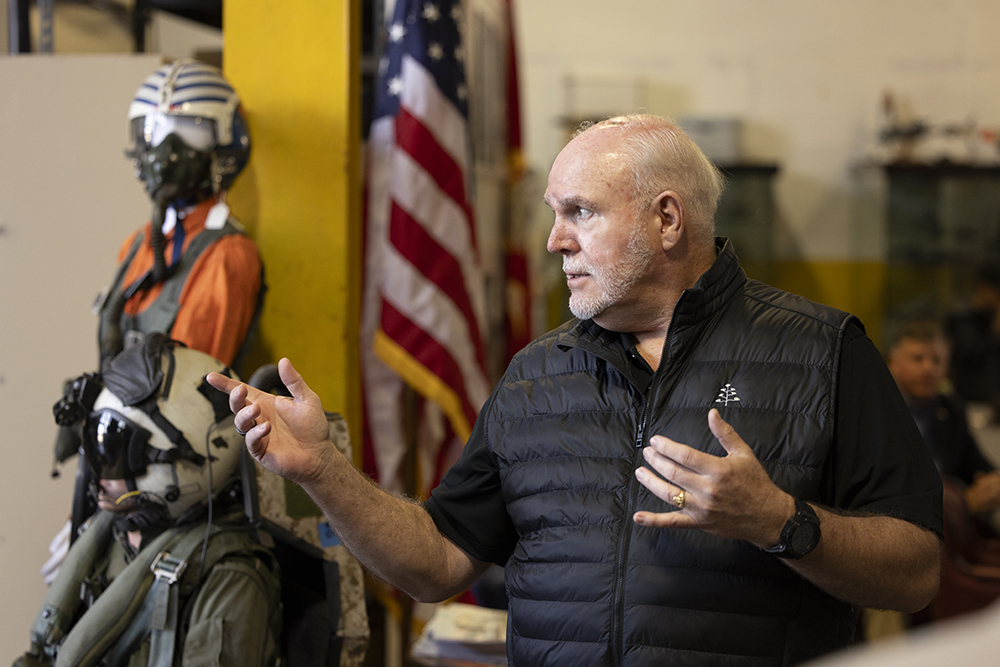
{"type": "Point", "coordinates": [587, 586]}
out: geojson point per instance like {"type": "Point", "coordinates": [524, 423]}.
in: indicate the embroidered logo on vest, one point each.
{"type": "Point", "coordinates": [727, 395]}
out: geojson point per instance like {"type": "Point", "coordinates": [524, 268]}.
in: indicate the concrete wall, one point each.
{"type": "Point", "coordinates": [806, 79]}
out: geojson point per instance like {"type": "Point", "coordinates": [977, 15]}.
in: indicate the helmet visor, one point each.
{"type": "Point", "coordinates": [196, 132]}
{"type": "Point", "coordinates": [114, 446]}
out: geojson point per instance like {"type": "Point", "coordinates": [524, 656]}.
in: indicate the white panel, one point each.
{"type": "Point", "coordinates": [67, 201]}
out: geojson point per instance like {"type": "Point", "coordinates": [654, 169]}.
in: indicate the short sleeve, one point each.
{"type": "Point", "coordinates": [879, 463]}
{"type": "Point", "coordinates": [219, 298]}
{"type": "Point", "coordinates": [468, 506]}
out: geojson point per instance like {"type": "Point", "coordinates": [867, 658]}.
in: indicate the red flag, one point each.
{"type": "Point", "coordinates": [423, 311]}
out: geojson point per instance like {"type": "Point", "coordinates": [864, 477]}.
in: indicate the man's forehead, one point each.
{"type": "Point", "coordinates": [593, 148]}
{"type": "Point", "coordinates": [585, 169]}
{"type": "Point", "coordinates": [922, 345]}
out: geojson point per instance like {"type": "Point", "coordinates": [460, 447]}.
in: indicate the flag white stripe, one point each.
{"type": "Point", "coordinates": [426, 306]}
{"type": "Point", "coordinates": [383, 398]}
{"type": "Point", "coordinates": [383, 387]}
{"type": "Point", "coordinates": [424, 101]}
{"type": "Point", "coordinates": [443, 220]}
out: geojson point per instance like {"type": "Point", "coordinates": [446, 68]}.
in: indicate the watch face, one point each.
{"type": "Point", "coordinates": [804, 538]}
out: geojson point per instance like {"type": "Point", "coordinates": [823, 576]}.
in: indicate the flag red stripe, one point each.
{"type": "Point", "coordinates": [418, 142]}
{"type": "Point", "coordinates": [517, 266]}
{"type": "Point", "coordinates": [428, 352]}
{"type": "Point", "coordinates": [429, 258]}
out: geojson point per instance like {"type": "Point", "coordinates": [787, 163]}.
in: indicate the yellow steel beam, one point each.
{"type": "Point", "coordinates": [295, 66]}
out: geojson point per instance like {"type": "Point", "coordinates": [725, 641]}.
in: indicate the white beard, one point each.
{"type": "Point", "coordinates": [614, 281]}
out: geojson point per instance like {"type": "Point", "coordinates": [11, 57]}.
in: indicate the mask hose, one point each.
{"type": "Point", "coordinates": [112, 340]}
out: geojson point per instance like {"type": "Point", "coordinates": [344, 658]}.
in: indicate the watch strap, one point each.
{"type": "Point", "coordinates": [804, 514]}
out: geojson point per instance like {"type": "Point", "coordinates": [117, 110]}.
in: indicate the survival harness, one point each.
{"type": "Point", "coordinates": [146, 599]}
{"type": "Point", "coordinates": [162, 313]}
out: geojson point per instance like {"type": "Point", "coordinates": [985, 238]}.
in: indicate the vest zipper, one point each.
{"type": "Point", "coordinates": [618, 613]}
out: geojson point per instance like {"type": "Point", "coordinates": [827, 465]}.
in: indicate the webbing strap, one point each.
{"type": "Point", "coordinates": [145, 600]}
{"type": "Point", "coordinates": [102, 625]}
{"type": "Point", "coordinates": [165, 593]}
{"type": "Point", "coordinates": [163, 625]}
{"type": "Point", "coordinates": [158, 615]}
{"type": "Point", "coordinates": [130, 640]}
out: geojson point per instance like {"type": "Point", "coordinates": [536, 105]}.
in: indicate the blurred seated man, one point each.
{"type": "Point", "coordinates": [167, 571]}
{"type": "Point", "coordinates": [918, 360]}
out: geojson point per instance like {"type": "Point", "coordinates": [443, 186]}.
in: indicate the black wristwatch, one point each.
{"type": "Point", "coordinates": [800, 534]}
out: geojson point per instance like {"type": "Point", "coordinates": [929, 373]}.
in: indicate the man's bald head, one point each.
{"type": "Point", "coordinates": [660, 157]}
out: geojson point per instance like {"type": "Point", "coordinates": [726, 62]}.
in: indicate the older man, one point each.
{"type": "Point", "coordinates": [721, 549]}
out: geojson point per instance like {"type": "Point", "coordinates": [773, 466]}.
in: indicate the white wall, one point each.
{"type": "Point", "coordinates": [67, 201]}
{"type": "Point", "coordinates": [806, 77]}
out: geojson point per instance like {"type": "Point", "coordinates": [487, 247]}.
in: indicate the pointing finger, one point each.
{"type": "Point", "coordinates": [221, 382]}
{"type": "Point", "coordinates": [238, 392]}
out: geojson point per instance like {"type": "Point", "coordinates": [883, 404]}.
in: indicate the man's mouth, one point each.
{"type": "Point", "coordinates": [575, 280]}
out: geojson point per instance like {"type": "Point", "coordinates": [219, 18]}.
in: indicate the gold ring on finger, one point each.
{"type": "Point", "coordinates": [679, 499]}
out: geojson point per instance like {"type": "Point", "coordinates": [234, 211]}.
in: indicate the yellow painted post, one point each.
{"type": "Point", "coordinates": [296, 68]}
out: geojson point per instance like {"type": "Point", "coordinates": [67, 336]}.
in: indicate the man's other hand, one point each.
{"type": "Point", "coordinates": [730, 496]}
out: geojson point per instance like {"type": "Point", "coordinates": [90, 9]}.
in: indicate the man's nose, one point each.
{"type": "Point", "coordinates": [559, 241]}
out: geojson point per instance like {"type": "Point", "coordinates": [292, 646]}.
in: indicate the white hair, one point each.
{"type": "Point", "coordinates": [662, 157]}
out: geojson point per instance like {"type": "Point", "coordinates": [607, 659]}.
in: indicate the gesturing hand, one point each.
{"type": "Point", "coordinates": [288, 436]}
{"type": "Point", "coordinates": [730, 496]}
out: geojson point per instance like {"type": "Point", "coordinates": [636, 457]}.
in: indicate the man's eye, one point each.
{"type": "Point", "coordinates": [584, 212]}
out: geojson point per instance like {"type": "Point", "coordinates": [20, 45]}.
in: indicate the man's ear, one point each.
{"type": "Point", "coordinates": [671, 214]}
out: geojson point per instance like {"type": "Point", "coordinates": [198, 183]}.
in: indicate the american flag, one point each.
{"type": "Point", "coordinates": [423, 313]}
